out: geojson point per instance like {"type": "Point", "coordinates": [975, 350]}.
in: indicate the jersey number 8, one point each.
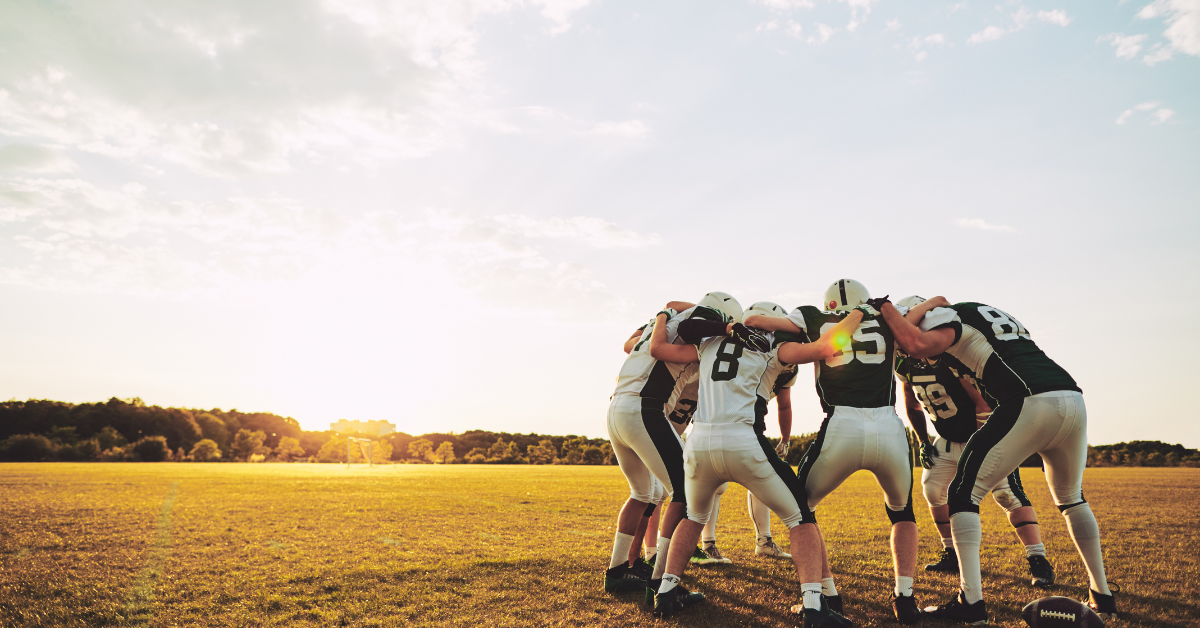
{"type": "Point", "coordinates": [866, 346]}
{"type": "Point", "coordinates": [1005, 327]}
{"type": "Point", "coordinates": [725, 367]}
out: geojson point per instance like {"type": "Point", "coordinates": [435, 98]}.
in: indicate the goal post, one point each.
{"type": "Point", "coordinates": [364, 448]}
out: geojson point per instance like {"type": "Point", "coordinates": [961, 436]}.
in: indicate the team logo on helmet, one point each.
{"type": "Point", "coordinates": [832, 304]}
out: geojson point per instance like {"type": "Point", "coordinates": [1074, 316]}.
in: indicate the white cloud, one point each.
{"type": "Point", "coordinates": [767, 26]}
{"type": "Point", "coordinates": [1057, 16]}
{"type": "Point", "coordinates": [892, 25]}
{"type": "Point", "coordinates": [1158, 54]}
{"type": "Point", "coordinates": [991, 33]}
{"type": "Point", "coordinates": [824, 32]}
{"type": "Point", "coordinates": [793, 29]}
{"type": "Point", "coordinates": [1183, 23]}
{"type": "Point", "coordinates": [859, 10]}
{"type": "Point", "coordinates": [1127, 46]}
{"type": "Point", "coordinates": [979, 223]}
{"type": "Point", "coordinates": [1158, 113]}
{"type": "Point", "coordinates": [919, 45]}
{"type": "Point", "coordinates": [34, 158]}
{"type": "Point", "coordinates": [785, 5]}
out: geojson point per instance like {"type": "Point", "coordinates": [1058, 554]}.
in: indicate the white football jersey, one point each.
{"type": "Point", "coordinates": [730, 376]}
{"type": "Point", "coordinates": [643, 376]}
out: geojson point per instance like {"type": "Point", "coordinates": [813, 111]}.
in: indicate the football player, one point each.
{"type": "Point", "coordinates": [861, 429]}
{"type": "Point", "coordinates": [644, 443]}
{"type": "Point", "coordinates": [944, 388]}
{"type": "Point", "coordinates": [727, 445]}
{"type": "Point", "coordinates": [1039, 410]}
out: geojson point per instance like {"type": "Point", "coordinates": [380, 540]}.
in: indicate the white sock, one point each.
{"type": "Point", "coordinates": [812, 595]}
{"type": "Point", "coordinates": [669, 581]}
{"type": "Point", "coordinates": [1081, 523]}
{"type": "Point", "coordinates": [621, 545]}
{"type": "Point", "coordinates": [968, 534]}
{"type": "Point", "coordinates": [827, 588]}
{"type": "Point", "coordinates": [948, 542]}
{"type": "Point", "coordinates": [650, 552]}
{"type": "Point", "coordinates": [660, 566]}
{"type": "Point", "coordinates": [903, 586]}
{"type": "Point", "coordinates": [1037, 549]}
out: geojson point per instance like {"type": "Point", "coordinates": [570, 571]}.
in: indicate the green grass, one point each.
{"type": "Point", "coordinates": [320, 545]}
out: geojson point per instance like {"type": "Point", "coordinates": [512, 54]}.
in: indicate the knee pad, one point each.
{"type": "Point", "coordinates": [896, 516]}
{"type": "Point", "coordinates": [699, 517]}
{"type": "Point", "coordinates": [1063, 508]}
{"type": "Point", "coordinates": [935, 495]}
{"type": "Point", "coordinates": [641, 497]}
{"type": "Point", "coordinates": [1007, 500]}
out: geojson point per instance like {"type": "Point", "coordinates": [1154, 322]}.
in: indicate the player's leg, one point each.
{"type": "Point", "coordinates": [831, 458]}
{"type": "Point", "coordinates": [619, 576]}
{"type": "Point", "coordinates": [935, 486]}
{"type": "Point", "coordinates": [1010, 496]}
{"type": "Point", "coordinates": [700, 481]}
{"type": "Point", "coordinates": [651, 539]}
{"type": "Point", "coordinates": [711, 554]}
{"type": "Point", "coordinates": [1065, 460]}
{"type": "Point", "coordinates": [760, 515]}
{"type": "Point", "coordinates": [893, 469]}
{"type": "Point", "coordinates": [660, 448]}
{"type": "Point", "coordinates": [1016, 430]}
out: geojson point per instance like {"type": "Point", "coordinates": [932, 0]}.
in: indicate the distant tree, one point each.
{"type": "Point", "coordinates": [381, 451]}
{"type": "Point", "coordinates": [151, 449]}
{"type": "Point", "coordinates": [334, 450]}
{"type": "Point", "coordinates": [114, 454]}
{"type": "Point", "coordinates": [542, 453]}
{"type": "Point", "coordinates": [247, 443]}
{"type": "Point", "coordinates": [420, 449]}
{"type": "Point", "coordinates": [445, 453]}
{"type": "Point", "coordinates": [206, 450]}
{"type": "Point", "coordinates": [27, 448]}
{"type": "Point", "coordinates": [289, 449]}
{"type": "Point", "coordinates": [86, 450]}
{"type": "Point", "coordinates": [63, 435]}
{"type": "Point", "coordinates": [593, 455]}
{"type": "Point", "coordinates": [212, 428]}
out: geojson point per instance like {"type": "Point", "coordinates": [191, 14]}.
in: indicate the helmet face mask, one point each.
{"type": "Point", "coordinates": [723, 303]}
{"type": "Point", "coordinates": [765, 308]}
{"type": "Point", "coordinates": [845, 295]}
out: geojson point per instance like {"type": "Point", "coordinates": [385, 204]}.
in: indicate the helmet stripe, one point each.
{"type": "Point", "coordinates": [842, 288]}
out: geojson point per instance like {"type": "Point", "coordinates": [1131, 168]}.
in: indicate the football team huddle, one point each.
{"type": "Point", "coordinates": [993, 396]}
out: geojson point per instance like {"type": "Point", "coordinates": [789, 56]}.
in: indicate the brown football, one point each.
{"type": "Point", "coordinates": [1060, 612]}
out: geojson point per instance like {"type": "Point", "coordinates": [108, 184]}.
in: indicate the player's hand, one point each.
{"type": "Point", "coordinates": [754, 341]}
{"type": "Point", "coordinates": [868, 311]}
{"type": "Point", "coordinates": [878, 302]}
{"type": "Point", "coordinates": [782, 447]}
{"type": "Point", "coordinates": [928, 453]}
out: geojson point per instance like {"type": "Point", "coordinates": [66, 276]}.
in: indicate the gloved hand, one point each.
{"type": "Point", "coordinates": [753, 341]}
{"type": "Point", "coordinates": [868, 311]}
{"type": "Point", "coordinates": [782, 448]}
{"type": "Point", "coordinates": [928, 453]}
{"type": "Point", "coordinates": [878, 302]}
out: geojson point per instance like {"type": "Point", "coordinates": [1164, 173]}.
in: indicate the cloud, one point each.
{"type": "Point", "coordinates": [978, 223]}
{"type": "Point", "coordinates": [1127, 46]}
{"type": "Point", "coordinates": [785, 5]}
{"type": "Point", "coordinates": [34, 158]}
{"type": "Point", "coordinates": [1158, 54]}
{"type": "Point", "coordinates": [824, 32]}
{"type": "Point", "coordinates": [1183, 24]}
{"type": "Point", "coordinates": [892, 25]}
{"type": "Point", "coordinates": [1058, 16]}
{"type": "Point", "coordinates": [1159, 114]}
{"type": "Point", "coordinates": [991, 33]}
{"type": "Point", "coordinates": [918, 45]}
{"type": "Point", "coordinates": [859, 10]}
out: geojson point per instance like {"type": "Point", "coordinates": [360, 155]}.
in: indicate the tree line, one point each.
{"type": "Point", "coordinates": [129, 430]}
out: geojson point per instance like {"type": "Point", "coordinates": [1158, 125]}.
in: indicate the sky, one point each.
{"type": "Point", "coordinates": [449, 214]}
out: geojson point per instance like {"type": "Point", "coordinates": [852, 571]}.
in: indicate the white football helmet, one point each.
{"type": "Point", "coordinates": [765, 308]}
{"type": "Point", "coordinates": [723, 303]}
{"type": "Point", "coordinates": [845, 295]}
{"type": "Point", "coordinates": [910, 301]}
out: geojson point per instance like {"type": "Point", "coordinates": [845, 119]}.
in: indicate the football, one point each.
{"type": "Point", "coordinates": [1060, 612]}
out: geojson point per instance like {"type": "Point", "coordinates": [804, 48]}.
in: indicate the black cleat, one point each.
{"type": "Point", "coordinates": [1104, 605]}
{"type": "Point", "coordinates": [642, 568]}
{"type": "Point", "coordinates": [947, 562]}
{"type": "Point", "coordinates": [905, 607]}
{"type": "Point", "coordinates": [622, 578]}
{"type": "Point", "coordinates": [652, 590]}
{"type": "Point", "coordinates": [1041, 571]}
{"type": "Point", "coordinates": [834, 602]}
{"type": "Point", "coordinates": [675, 600]}
{"type": "Point", "coordinates": [958, 610]}
{"type": "Point", "coordinates": [826, 617]}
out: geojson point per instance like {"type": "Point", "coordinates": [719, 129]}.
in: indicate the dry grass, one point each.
{"type": "Point", "coordinates": [320, 545]}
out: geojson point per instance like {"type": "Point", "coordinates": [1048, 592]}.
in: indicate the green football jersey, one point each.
{"type": "Point", "coordinates": [936, 384]}
{"type": "Point", "coordinates": [998, 350]}
{"type": "Point", "coordinates": [859, 376]}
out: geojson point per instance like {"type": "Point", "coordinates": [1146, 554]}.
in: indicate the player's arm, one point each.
{"type": "Point", "coordinates": [824, 347]}
{"type": "Point", "coordinates": [783, 407]}
{"type": "Point", "coordinates": [916, 418]}
{"type": "Point", "coordinates": [915, 314]}
{"type": "Point", "coordinates": [633, 340]}
{"type": "Point", "coordinates": [660, 349]}
{"type": "Point", "coordinates": [917, 343]}
{"type": "Point", "coordinates": [770, 323]}
{"type": "Point", "coordinates": [678, 306]}
{"type": "Point", "coordinates": [982, 409]}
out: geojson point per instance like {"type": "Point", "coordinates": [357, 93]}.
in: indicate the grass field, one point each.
{"type": "Point", "coordinates": [319, 545]}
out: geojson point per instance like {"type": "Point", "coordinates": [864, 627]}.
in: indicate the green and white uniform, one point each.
{"type": "Point", "coordinates": [643, 440]}
{"type": "Point", "coordinates": [861, 429]}
{"type": "Point", "coordinates": [1039, 407]}
{"type": "Point", "coordinates": [937, 384]}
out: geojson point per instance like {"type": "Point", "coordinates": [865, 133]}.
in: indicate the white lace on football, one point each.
{"type": "Point", "coordinates": [1057, 615]}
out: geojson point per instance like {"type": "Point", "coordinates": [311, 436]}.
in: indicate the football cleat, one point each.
{"type": "Point", "coordinates": [714, 554]}
{"type": "Point", "coordinates": [947, 562]}
{"type": "Point", "coordinates": [675, 600]}
{"type": "Point", "coordinates": [622, 578]}
{"type": "Point", "coordinates": [832, 602]}
{"type": "Point", "coordinates": [958, 610]}
{"type": "Point", "coordinates": [826, 617]}
{"type": "Point", "coordinates": [652, 590]}
{"type": "Point", "coordinates": [642, 568]}
{"type": "Point", "coordinates": [768, 548]}
{"type": "Point", "coordinates": [700, 557]}
{"type": "Point", "coordinates": [1104, 605]}
{"type": "Point", "coordinates": [650, 561]}
{"type": "Point", "coordinates": [905, 607]}
{"type": "Point", "coordinates": [1041, 572]}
